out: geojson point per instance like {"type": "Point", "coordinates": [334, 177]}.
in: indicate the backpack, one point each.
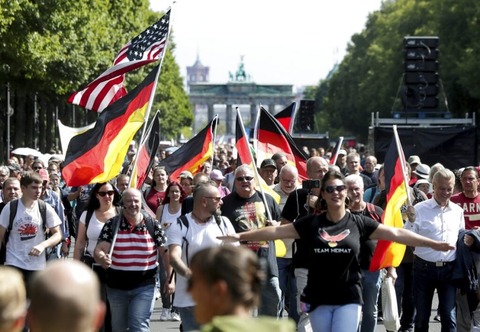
{"type": "Point", "coordinates": [372, 213]}
{"type": "Point", "coordinates": [183, 222]}
{"type": "Point", "coordinates": [148, 223]}
{"type": "Point", "coordinates": [13, 212]}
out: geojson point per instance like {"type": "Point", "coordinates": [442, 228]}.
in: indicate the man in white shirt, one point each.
{"type": "Point", "coordinates": [184, 241]}
{"type": "Point", "coordinates": [438, 219]}
{"type": "Point", "coordinates": [26, 242]}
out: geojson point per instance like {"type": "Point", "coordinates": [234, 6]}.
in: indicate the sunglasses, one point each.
{"type": "Point", "coordinates": [215, 199]}
{"type": "Point", "coordinates": [38, 167]}
{"type": "Point", "coordinates": [104, 193]}
{"type": "Point", "coordinates": [244, 178]}
{"type": "Point", "coordinates": [331, 189]}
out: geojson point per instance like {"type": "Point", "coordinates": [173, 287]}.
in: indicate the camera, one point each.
{"type": "Point", "coordinates": [310, 184]}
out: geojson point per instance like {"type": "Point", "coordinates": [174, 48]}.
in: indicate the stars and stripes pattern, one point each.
{"type": "Point", "coordinates": [134, 250]}
{"type": "Point", "coordinates": [147, 47]}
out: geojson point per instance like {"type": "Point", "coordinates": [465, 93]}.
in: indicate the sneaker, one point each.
{"type": "Point", "coordinates": [157, 294]}
{"type": "Point", "coordinates": [165, 315]}
{"type": "Point", "coordinates": [175, 316]}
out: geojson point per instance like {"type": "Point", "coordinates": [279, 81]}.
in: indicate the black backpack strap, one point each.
{"type": "Point", "coordinates": [373, 214]}
{"type": "Point", "coordinates": [149, 223]}
{"type": "Point", "coordinates": [43, 212]}
{"type": "Point", "coordinates": [219, 220]}
{"type": "Point", "coordinates": [13, 213]}
{"type": "Point", "coordinates": [183, 221]}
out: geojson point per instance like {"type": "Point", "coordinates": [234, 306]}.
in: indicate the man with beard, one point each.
{"type": "Point", "coordinates": [192, 232]}
{"type": "Point", "coordinates": [128, 248]}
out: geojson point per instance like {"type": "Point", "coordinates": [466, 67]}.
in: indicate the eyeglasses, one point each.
{"type": "Point", "coordinates": [331, 189]}
{"type": "Point", "coordinates": [104, 193]}
{"type": "Point", "coordinates": [215, 199]}
{"type": "Point", "coordinates": [244, 178]}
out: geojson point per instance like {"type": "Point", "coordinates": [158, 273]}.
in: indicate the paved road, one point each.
{"type": "Point", "coordinates": [158, 326]}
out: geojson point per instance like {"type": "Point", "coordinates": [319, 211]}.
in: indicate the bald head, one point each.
{"type": "Point", "coordinates": [65, 297]}
{"type": "Point", "coordinates": [316, 167]}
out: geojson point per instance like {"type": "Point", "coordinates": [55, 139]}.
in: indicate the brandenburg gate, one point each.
{"type": "Point", "coordinates": [240, 90]}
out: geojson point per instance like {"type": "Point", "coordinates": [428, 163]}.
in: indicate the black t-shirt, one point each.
{"type": "Point", "coordinates": [334, 276]}
{"type": "Point", "coordinates": [296, 207]}
{"type": "Point", "coordinates": [249, 213]}
{"type": "Point", "coordinates": [368, 247]}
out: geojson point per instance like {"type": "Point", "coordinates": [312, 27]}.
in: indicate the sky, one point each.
{"type": "Point", "coordinates": [282, 42]}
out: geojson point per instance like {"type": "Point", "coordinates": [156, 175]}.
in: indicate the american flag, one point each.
{"type": "Point", "coordinates": [145, 48]}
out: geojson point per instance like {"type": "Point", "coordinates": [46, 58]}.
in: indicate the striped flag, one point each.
{"type": "Point", "coordinates": [191, 155]}
{"type": "Point", "coordinates": [147, 47]}
{"type": "Point", "coordinates": [286, 116]}
{"type": "Point", "coordinates": [97, 155]}
{"type": "Point", "coordinates": [245, 156]}
{"type": "Point", "coordinates": [389, 253]}
{"type": "Point", "coordinates": [272, 138]}
{"type": "Point", "coordinates": [146, 154]}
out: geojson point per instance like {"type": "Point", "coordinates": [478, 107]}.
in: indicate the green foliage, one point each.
{"type": "Point", "coordinates": [51, 49]}
{"type": "Point", "coordinates": [368, 79]}
{"type": "Point", "coordinates": [175, 108]}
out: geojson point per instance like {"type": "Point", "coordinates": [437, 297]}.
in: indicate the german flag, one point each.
{"type": "Point", "coordinates": [273, 138]}
{"type": "Point", "coordinates": [191, 155]}
{"type": "Point", "coordinates": [245, 157]}
{"type": "Point", "coordinates": [146, 154]}
{"type": "Point", "coordinates": [286, 116]}
{"type": "Point", "coordinates": [97, 155]}
{"type": "Point", "coordinates": [389, 253]}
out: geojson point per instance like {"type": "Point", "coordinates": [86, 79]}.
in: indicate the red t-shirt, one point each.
{"type": "Point", "coordinates": [471, 209]}
{"type": "Point", "coordinates": [154, 199]}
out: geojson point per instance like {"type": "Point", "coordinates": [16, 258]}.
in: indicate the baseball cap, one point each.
{"type": "Point", "coordinates": [43, 174]}
{"type": "Point", "coordinates": [414, 160]}
{"type": "Point", "coordinates": [14, 167]}
{"type": "Point", "coordinates": [267, 163]}
{"type": "Point", "coordinates": [186, 175]}
{"type": "Point", "coordinates": [216, 175]}
{"type": "Point", "coordinates": [342, 151]}
{"type": "Point", "coordinates": [422, 171]}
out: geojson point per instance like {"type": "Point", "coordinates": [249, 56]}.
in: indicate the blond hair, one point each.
{"type": "Point", "coordinates": [13, 299]}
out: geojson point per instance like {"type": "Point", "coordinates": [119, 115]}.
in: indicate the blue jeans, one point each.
{"type": "Point", "coordinates": [427, 278]}
{"type": "Point", "coordinates": [131, 309]}
{"type": "Point", "coordinates": [405, 298]}
{"type": "Point", "coordinates": [187, 316]}
{"type": "Point", "coordinates": [336, 317]}
{"type": "Point", "coordinates": [288, 286]}
{"type": "Point", "coordinates": [371, 282]}
{"type": "Point", "coordinates": [270, 298]}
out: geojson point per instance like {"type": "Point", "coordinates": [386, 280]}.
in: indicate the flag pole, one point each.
{"type": "Point", "coordinates": [214, 139]}
{"type": "Point", "coordinates": [335, 153]}
{"type": "Point", "coordinates": [401, 156]}
{"type": "Point", "coordinates": [150, 103]}
{"type": "Point", "coordinates": [255, 171]}
{"type": "Point", "coordinates": [255, 131]}
{"type": "Point", "coordinates": [133, 164]}
{"type": "Point", "coordinates": [152, 95]}
{"type": "Point", "coordinates": [292, 121]}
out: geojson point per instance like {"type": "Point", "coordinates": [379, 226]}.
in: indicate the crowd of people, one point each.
{"type": "Point", "coordinates": [219, 250]}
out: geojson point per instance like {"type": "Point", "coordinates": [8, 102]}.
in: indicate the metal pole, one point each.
{"type": "Point", "coordinates": [8, 120]}
{"type": "Point", "coordinates": [56, 129]}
